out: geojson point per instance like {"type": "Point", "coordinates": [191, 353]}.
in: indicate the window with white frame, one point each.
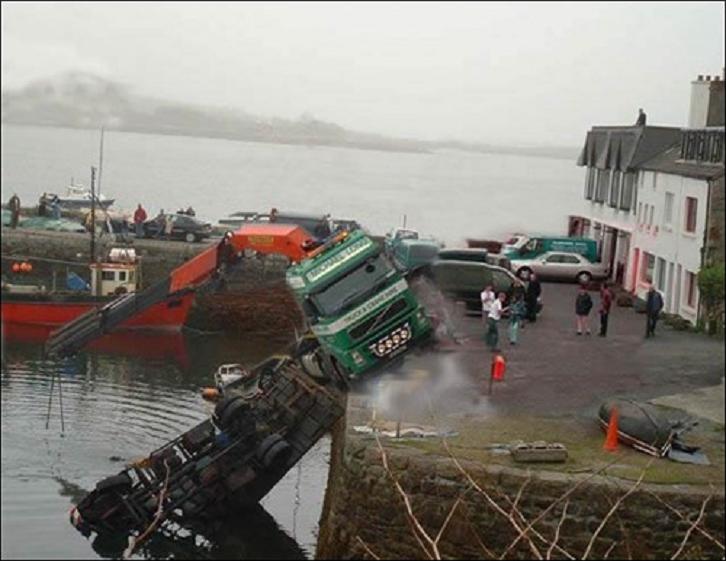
{"type": "Point", "coordinates": [590, 183]}
{"type": "Point", "coordinates": [650, 217]}
{"type": "Point", "coordinates": [647, 267]}
{"type": "Point", "coordinates": [691, 289]}
{"type": "Point", "coordinates": [640, 213]}
{"type": "Point", "coordinates": [603, 181]}
{"type": "Point", "coordinates": [691, 214]}
{"type": "Point", "coordinates": [628, 195]}
{"type": "Point", "coordinates": [668, 209]}
{"type": "Point", "coordinates": [615, 189]}
{"type": "Point", "coordinates": [660, 274]}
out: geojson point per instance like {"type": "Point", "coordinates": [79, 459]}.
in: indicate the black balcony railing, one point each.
{"type": "Point", "coordinates": [703, 145]}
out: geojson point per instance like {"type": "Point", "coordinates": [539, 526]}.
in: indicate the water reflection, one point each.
{"type": "Point", "coordinates": [248, 534]}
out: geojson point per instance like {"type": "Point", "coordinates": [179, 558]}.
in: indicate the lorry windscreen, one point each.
{"type": "Point", "coordinates": [353, 287]}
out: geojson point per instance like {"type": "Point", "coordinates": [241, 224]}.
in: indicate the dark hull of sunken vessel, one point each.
{"type": "Point", "coordinates": [224, 463]}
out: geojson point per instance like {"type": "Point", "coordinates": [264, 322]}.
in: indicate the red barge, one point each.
{"type": "Point", "coordinates": [33, 305]}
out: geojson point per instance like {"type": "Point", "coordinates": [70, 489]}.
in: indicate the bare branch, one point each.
{"type": "Point", "coordinates": [366, 548]}
{"type": "Point", "coordinates": [562, 497]}
{"type": "Point", "coordinates": [696, 522]}
{"type": "Point", "coordinates": [609, 550]}
{"type": "Point", "coordinates": [492, 502]}
{"type": "Point", "coordinates": [557, 530]}
{"type": "Point", "coordinates": [519, 492]}
{"type": "Point", "coordinates": [617, 504]}
{"type": "Point", "coordinates": [446, 522]}
{"type": "Point", "coordinates": [418, 530]}
{"type": "Point", "coordinates": [484, 548]}
{"type": "Point", "coordinates": [680, 515]}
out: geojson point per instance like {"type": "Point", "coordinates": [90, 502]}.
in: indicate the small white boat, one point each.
{"type": "Point", "coordinates": [78, 196]}
{"type": "Point", "coordinates": [228, 373]}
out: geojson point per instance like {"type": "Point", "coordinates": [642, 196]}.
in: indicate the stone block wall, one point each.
{"type": "Point", "coordinates": [363, 510]}
{"type": "Point", "coordinates": [715, 235]}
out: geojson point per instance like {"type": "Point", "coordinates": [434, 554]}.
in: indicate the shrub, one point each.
{"type": "Point", "coordinates": [711, 287]}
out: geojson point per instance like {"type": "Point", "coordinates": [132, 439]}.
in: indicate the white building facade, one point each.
{"type": "Point", "coordinates": [649, 199]}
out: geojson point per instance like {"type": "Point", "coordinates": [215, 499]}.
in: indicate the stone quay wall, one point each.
{"type": "Point", "coordinates": [364, 516]}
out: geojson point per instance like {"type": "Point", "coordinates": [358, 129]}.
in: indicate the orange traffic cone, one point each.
{"type": "Point", "coordinates": [611, 438]}
{"type": "Point", "coordinates": [499, 367]}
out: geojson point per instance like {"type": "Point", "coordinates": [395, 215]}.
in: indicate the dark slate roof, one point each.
{"type": "Point", "coordinates": [625, 148]}
{"type": "Point", "coordinates": [669, 161]}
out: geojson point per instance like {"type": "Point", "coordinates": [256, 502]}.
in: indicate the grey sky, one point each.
{"type": "Point", "coordinates": [538, 73]}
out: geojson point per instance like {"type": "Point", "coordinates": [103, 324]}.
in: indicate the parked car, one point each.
{"type": "Point", "coordinates": [184, 227]}
{"type": "Point", "coordinates": [464, 280]}
{"type": "Point", "coordinates": [555, 265]}
{"type": "Point", "coordinates": [477, 255]}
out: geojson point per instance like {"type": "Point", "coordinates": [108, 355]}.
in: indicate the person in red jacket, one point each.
{"type": "Point", "coordinates": [606, 301]}
{"type": "Point", "coordinates": [139, 219]}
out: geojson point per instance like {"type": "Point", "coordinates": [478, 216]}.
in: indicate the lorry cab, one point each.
{"type": "Point", "coordinates": [521, 246]}
{"type": "Point", "coordinates": [357, 304]}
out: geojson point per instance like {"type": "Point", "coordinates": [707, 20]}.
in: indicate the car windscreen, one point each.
{"type": "Point", "coordinates": [472, 256]}
{"type": "Point", "coordinates": [353, 287]}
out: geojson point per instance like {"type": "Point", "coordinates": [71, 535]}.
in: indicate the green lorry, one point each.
{"type": "Point", "coordinates": [358, 306]}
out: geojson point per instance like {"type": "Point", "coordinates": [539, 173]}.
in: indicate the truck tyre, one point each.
{"type": "Point", "coordinates": [584, 277]}
{"type": "Point", "coordinates": [273, 450]}
{"type": "Point", "coordinates": [277, 455]}
{"type": "Point", "coordinates": [190, 237]}
{"type": "Point", "coordinates": [119, 483]}
{"type": "Point", "coordinates": [232, 413]}
{"type": "Point", "coordinates": [221, 407]}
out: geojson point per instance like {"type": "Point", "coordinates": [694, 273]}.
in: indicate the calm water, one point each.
{"type": "Point", "coordinates": [450, 194]}
{"type": "Point", "coordinates": [121, 401]}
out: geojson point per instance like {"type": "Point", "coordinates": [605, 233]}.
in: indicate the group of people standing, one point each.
{"type": "Point", "coordinates": [523, 306]}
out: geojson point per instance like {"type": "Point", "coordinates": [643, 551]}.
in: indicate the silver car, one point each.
{"type": "Point", "coordinates": [556, 265]}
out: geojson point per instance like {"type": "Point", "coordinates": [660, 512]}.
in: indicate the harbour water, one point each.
{"type": "Point", "coordinates": [125, 397]}
{"type": "Point", "coordinates": [121, 402]}
{"type": "Point", "coordinates": [450, 194]}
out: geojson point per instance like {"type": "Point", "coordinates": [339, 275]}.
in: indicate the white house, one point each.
{"type": "Point", "coordinates": [671, 221]}
{"type": "Point", "coordinates": [653, 197]}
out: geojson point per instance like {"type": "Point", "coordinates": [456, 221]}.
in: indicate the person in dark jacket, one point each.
{"type": "Point", "coordinates": [653, 307]}
{"type": "Point", "coordinates": [606, 301]}
{"type": "Point", "coordinates": [532, 294]}
{"type": "Point", "coordinates": [14, 207]}
{"type": "Point", "coordinates": [583, 305]}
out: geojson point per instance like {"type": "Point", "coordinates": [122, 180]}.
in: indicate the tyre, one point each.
{"type": "Point", "coordinates": [232, 413]}
{"type": "Point", "coordinates": [119, 483]}
{"type": "Point", "coordinates": [190, 237]}
{"type": "Point", "coordinates": [584, 277]}
{"type": "Point", "coordinates": [221, 407]}
{"type": "Point", "coordinates": [273, 450]}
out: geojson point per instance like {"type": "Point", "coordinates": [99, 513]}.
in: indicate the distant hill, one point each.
{"type": "Point", "coordinates": [82, 100]}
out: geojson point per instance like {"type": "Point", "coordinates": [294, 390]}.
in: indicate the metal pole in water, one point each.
{"type": "Point", "coordinates": [93, 214]}
{"type": "Point", "coordinates": [100, 163]}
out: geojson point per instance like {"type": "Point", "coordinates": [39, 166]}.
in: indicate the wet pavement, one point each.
{"type": "Point", "coordinates": [552, 372]}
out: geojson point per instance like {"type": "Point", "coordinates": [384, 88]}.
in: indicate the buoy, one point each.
{"type": "Point", "coordinates": [25, 267]}
{"type": "Point", "coordinates": [210, 394]}
{"type": "Point", "coordinates": [28, 267]}
{"type": "Point", "coordinates": [16, 267]}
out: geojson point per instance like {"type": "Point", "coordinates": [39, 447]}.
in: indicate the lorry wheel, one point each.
{"type": "Point", "coordinates": [273, 450]}
{"type": "Point", "coordinates": [119, 483]}
{"type": "Point", "coordinates": [190, 238]}
{"type": "Point", "coordinates": [584, 277]}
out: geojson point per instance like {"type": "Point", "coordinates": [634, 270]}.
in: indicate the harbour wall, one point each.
{"type": "Point", "coordinates": [365, 517]}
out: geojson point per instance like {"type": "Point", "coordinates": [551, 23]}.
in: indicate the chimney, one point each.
{"type": "Point", "coordinates": [707, 102]}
